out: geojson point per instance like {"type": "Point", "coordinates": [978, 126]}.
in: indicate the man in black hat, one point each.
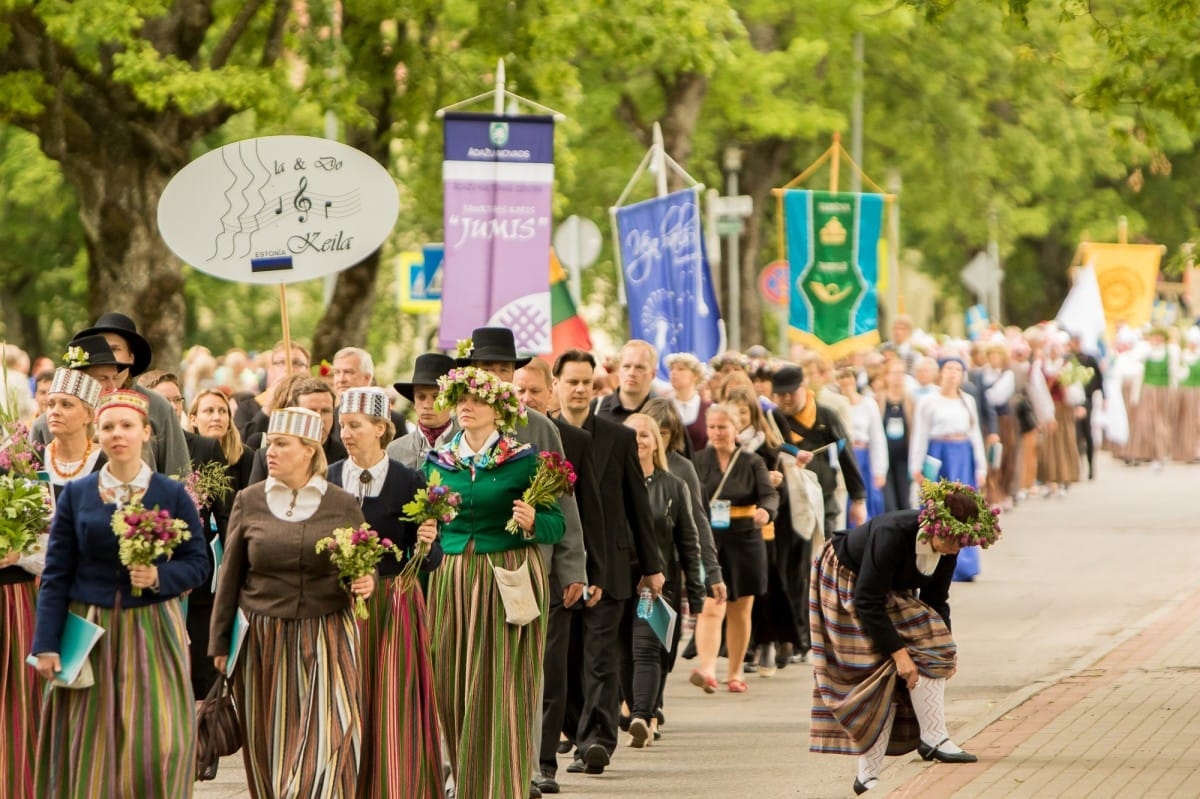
{"type": "Point", "coordinates": [434, 427]}
{"type": "Point", "coordinates": [115, 354]}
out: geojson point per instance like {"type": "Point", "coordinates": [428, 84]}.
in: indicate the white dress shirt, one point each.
{"type": "Point", "coordinates": [295, 506]}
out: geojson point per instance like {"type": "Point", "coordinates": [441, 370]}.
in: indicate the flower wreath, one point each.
{"type": "Point", "coordinates": [75, 358]}
{"type": "Point", "coordinates": [501, 396]}
{"type": "Point", "coordinates": [935, 520]}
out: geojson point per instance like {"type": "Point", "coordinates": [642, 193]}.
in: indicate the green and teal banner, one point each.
{"type": "Point", "coordinates": [833, 257]}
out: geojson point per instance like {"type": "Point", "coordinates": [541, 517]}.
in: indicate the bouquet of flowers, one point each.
{"type": "Point", "coordinates": [147, 535]}
{"type": "Point", "coordinates": [436, 501]}
{"type": "Point", "coordinates": [205, 483]}
{"type": "Point", "coordinates": [356, 551]}
{"type": "Point", "coordinates": [18, 451]}
{"type": "Point", "coordinates": [555, 476]}
{"type": "Point", "coordinates": [1075, 374]}
{"type": "Point", "coordinates": [24, 514]}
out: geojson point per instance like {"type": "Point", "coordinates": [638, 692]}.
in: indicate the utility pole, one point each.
{"type": "Point", "coordinates": [733, 165]}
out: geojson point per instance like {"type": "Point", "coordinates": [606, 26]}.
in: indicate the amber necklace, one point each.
{"type": "Point", "coordinates": [67, 474]}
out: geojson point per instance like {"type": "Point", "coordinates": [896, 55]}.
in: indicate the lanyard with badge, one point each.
{"type": "Point", "coordinates": [719, 510]}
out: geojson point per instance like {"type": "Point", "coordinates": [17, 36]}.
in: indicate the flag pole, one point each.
{"type": "Point", "coordinates": [287, 328]}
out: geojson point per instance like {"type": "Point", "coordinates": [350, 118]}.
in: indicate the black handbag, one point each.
{"type": "Point", "coordinates": [1026, 418]}
{"type": "Point", "coordinates": [218, 732]}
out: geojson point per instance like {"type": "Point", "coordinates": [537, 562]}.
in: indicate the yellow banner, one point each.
{"type": "Point", "coordinates": [1127, 274]}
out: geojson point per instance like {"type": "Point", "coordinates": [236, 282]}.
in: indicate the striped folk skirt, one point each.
{"type": "Point", "coordinates": [20, 693]}
{"type": "Point", "coordinates": [486, 672]}
{"type": "Point", "coordinates": [402, 752]}
{"type": "Point", "coordinates": [133, 733]}
{"type": "Point", "coordinates": [1150, 424]}
{"type": "Point", "coordinates": [298, 688]}
{"type": "Point", "coordinates": [1185, 437]}
{"type": "Point", "coordinates": [854, 685]}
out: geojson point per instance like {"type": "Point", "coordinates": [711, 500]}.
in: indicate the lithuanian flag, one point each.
{"type": "Point", "coordinates": [569, 331]}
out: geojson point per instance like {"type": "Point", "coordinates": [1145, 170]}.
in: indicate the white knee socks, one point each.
{"type": "Point", "coordinates": [870, 763]}
{"type": "Point", "coordinates": [929, 702]}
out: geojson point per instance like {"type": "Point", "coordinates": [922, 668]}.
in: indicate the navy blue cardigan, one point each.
{"type": "Point", "coordinates": [384, 511]}
{"type": "Point", "coordinates": [82, 562]}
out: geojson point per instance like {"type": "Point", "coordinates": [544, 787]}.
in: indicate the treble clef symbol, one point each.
{"type": "Point", "coordinates": [302, 203]}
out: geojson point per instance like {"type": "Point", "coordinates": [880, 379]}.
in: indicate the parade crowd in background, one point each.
{"type": "Point", "coordinates": [504, 636]}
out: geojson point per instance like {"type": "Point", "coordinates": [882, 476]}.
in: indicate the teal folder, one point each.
{"type": "Point", "coordinates": [79, 636]}
{"type": "Point", "coordinates": [662, 620]}
{"type": "Point", "coordinates": [218, 553]}
{"type": "Point", "coordinates": [241, 626]}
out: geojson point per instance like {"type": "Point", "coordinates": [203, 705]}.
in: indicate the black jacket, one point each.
{"type": "Point", "coordinates": [676, 534]}
{"type": "Point", "coordinates": [882, 553]}
{"type": "Point", "coordinates": [827, 430]}
{"type": "Point", "coordinates": [577, 446]}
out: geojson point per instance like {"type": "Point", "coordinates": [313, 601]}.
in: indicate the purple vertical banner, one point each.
{"type": "Point", "coordinates": [668, 285]}
{"type": "Point", "coordinates": [498, 179]}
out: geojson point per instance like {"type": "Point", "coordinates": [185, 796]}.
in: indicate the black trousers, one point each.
{"type": "Point", "coordinates": [204, 672]}
{"type": "Point", "coordinates": [1083, 437]}
{"type": "Point", "coordinates": [644, 660]}
{"type": "Point", "coordinates": [582, 695]}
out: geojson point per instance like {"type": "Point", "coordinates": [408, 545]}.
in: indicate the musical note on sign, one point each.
{"type": "Point", "coordinates": [302, 203]}
{"type": "Point", "coordinates": [327, 204]}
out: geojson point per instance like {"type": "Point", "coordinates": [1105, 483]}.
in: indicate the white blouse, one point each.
{"type": "Point", "coordinates": [295, 506]}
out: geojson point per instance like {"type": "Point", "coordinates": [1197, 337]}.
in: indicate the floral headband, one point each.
{"type": "Point", "coordinates": [501, 396]}
{"type": "Point", "coordinates": [936, 521]}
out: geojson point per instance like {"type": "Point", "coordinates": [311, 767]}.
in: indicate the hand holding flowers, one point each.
{"type": "Point", "coordinates": [145, 536]}
{"type": "Point", "coordinates": [430, 506]}
{"type": "Point", "coordinates": [356, 551]}
{"type": "Point", "coordinates": [205, 483]}
{"type": "Point", "coordinates": [555, 476]}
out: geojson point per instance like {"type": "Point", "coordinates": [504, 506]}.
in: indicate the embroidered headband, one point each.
{"type": "Point", "coordinates": [298, 422]}
{"type": "Point", "coordinates": [371, 401]}
{"type": "Point", "coordinates": [77, 384]}
{"type": "Point", "coordinates": [124, 398]}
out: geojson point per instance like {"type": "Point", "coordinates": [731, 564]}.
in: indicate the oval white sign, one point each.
{"type": "Point", "coordinates": [278, 209]}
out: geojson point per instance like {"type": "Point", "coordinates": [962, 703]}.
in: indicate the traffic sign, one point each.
{"type": "Point", "coordinates": [773, 282]}
{"type": "Point", "coordinates": [577, 242]}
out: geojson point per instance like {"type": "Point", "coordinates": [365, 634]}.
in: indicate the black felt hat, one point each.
{"type": "Point", "coordinates": [96, 352]}
{"type": "Point", "coordinates": [494, 344]}
{"type": "Point", "coordinates": [426, 371]}
{"type": "Point", "coordinates": [787, 380]}
{"type": "Point", "coordinates": [123, 326]}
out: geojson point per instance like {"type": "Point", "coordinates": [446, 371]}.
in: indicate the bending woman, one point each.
{"type": "Point", "coordinates": [879, 612]}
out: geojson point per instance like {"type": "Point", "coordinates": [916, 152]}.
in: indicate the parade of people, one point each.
{"type": "Point", "coordinates": [358, 443]}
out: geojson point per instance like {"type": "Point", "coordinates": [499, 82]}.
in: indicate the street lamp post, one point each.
{"type": "Point", "coordinates": [733, 164]}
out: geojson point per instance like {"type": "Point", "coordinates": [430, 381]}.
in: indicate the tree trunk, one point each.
{"type": "Point", "coordinates": [762, 170]}
{"type": "Point", "coordinates": [20, 322]}
{"type": "Point", "coordinates": [130, 267]}
{"type": "Point", "coordinates": [348, 316]}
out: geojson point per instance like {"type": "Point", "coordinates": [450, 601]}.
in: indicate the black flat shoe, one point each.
{"type": "Point", "coordinates": [928, 752]}
{"type": "Point", "coordinates": [860, 789]}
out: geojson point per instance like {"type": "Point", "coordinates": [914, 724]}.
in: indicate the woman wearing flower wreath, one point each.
{"type": "Point", "coordinates": [879, 614]}
{"type": "Point", "coordinates": [296, 680]}
{"type": "Point", "coordinates": [486, 668]}
{"type": "Point", "coordinates": [132, 733]}
{"type": "Point", "coordinates": [402, 755]}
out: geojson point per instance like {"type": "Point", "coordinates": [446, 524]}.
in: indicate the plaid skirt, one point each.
{"type": "Point", "coordinates": [853, 684]}
{"type": "Point", "coordinates": [133, 733]}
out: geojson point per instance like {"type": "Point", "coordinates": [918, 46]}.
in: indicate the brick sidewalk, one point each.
{"type": "Point", "coordinates": [1124, 727]}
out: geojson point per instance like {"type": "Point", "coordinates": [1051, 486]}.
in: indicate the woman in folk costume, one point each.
{"type": "Point", "coordinates": [1058, 451]}
{"type": "Point", "coordinates": [486, 668]}
{"type": "Point", "coordinates": [880, 614]}
{"type": "Point", "coordinates": [296, 681]}
{"type": "Point", "coordinates": [402, 757]}
{"type": "Point", "coordinates": [1186, 432]}
{"type": "Point", "coordinates": [1150, 424]}
{"type": "Point", "coordinates": [687, 374]}
{"type": "Point", "coordinates": [1125, 373]}
{"type": "Point", "coordinates": [132, 732]}
{"type": "Point", "coordinates": [70, 408]}
{"type": "Point", "coordinates": [947, 443]}
{"type": "Point", "coordinates": [867, 438]}
{"type": "Point", "coordinates": [999, 384]}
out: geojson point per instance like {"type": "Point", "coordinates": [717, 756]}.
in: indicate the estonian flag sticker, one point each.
{"type": "Point", "coordinates": [273, 264]}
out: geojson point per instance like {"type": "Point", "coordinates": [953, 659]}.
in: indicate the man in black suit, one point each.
{"type": "Point", "coordinates": [631, 561]}
{"type": "Point", "coordinates": [535, 383]}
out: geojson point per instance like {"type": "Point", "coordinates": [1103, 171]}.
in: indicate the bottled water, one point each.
{"type": "Point", "coordinates": [645, 607]}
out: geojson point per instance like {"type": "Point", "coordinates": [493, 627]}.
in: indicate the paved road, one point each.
{"type": "Point", "coordinates": [1070, 580]}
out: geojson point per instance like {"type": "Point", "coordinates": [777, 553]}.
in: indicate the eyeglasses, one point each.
{"type": "Point", "coordinates": [296, 363]}
{"type": "Point", "coordinates": [175, 400]}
